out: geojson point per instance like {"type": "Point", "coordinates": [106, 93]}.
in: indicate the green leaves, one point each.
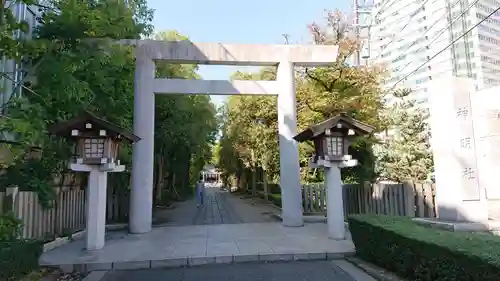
{"type": "Point", "coordinates": [406, 154]}
{"type": "Point", "coordinates": [75, 72]}
{"type": "Point", "coordinates": [96, 19]}
{"type": "Point", "coordinates": [71, 76]}
{"type": "Point", "coordinates": [10, 227]}
{"type": "Point", "coordinates": [10, 27]}
{"type": "Point", "coordinates": [321, 94]}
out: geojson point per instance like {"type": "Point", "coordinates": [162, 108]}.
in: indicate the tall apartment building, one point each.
{"type": "Point", "coordinates": [9, 86]}
{"type": "Point", "coordinates": [406, 33]}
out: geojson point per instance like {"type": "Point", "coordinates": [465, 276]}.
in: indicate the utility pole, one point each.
{"type": "Point", "coordinates": [362, 23]}
{"type": "Point", "coordinates": [357, 55]}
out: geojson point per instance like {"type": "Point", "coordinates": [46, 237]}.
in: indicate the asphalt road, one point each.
{"type": "Point", "coordinates": [286, 271]}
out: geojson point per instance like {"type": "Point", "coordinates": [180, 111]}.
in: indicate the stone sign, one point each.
{"type": "Point", "coordinates": [458, 192]}
{"type": "Point", "coordinates": [486, 112]}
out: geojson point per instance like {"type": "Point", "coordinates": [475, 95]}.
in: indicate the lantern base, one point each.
{"type": "Point", "coordinates": [109, 167]}
{"type": "Point", "coordinates": [348, 163]}
{"type": "Point", "coordinates": [321, 163]}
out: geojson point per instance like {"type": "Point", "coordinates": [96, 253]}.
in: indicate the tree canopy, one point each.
{"type": "Point", "coordinates": [249, 136]}
{"type": "Point", "coordinates": [70, 66]}
{"type": "Point", "coordinates": [75, 72]}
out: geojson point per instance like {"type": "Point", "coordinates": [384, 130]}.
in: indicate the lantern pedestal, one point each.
{"type": "Point", "coordinates": [96, 202]}
{"type": "Point", "coordinates": [334, 202]}
{"type": "Point", "coordinates": [334, 194]}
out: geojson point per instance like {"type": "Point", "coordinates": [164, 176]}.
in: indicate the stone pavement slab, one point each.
{"type": "Point", "coordinates": [96, 276]}
{"type": "Point", "coordinates": [221, 207]}
{"type": "Point", "coordinates": [202, 244]}
{"type": "Point", "coordinates": [290, 271]}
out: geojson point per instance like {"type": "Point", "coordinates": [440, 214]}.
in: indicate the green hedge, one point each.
{"type": "Point", "coordinates": [10, 227]}
{"type": "Point", "coordinates": [276, 199]}
{"type": "Point", "coordinates": [425, 254]}
{"type": "Point", "coordinates": [18, 258]}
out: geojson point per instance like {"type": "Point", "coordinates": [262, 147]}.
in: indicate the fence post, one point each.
{"type": "Point", "coordinates": [409, 198]}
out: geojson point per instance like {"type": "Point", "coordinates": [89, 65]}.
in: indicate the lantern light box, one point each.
{"type": "Point", "coordinates": [97, 140]}
{"type": "Point", "coordinates": [332, 139]}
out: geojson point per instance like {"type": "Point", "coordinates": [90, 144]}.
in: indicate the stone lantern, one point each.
{"type": "Point", "coordinates": [96, 144]}
{"type": "Point", "coordinates": [332, 139]}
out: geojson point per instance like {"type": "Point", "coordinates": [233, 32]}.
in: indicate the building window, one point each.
{"type": "Point", "coordinates": [422, 80]}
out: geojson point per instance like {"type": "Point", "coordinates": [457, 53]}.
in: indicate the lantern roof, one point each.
{"type": "Point", "coordinates": [65, 128]}
{"type": "Point", "coordinates": [316, 130]}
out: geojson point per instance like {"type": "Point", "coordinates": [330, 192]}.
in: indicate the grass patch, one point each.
{"type": "Point", "coordinates": [425, 254]}
{"type": "Point", "coordinates": [275, 198]}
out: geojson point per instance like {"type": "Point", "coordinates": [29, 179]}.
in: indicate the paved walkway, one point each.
{"type": "Point", "coordinates": [221, 207]}
{"type": "Point", "coordinates": [227, 230]}
{"type": "Point", "coordinates": [292, 271]}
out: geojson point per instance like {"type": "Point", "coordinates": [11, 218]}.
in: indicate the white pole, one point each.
{"type": "Point", "coordinates": [141, 196]}
{"type": "Point", "coordinates": [334, 203]}
{"type": "Point", "coordinates": [291, 193]}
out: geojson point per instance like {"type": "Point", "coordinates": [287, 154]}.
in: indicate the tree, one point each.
{"type": "Point", "coordinates": [188, 123]}
{"type": "Point", "coordinates": [13, 32]}
{"type": "Point", "coordinates": [321, 93]}
{"type": "Point", "coordinates": [97, 75]}
{"type": "Point", "coordinates": [250, 133]}
{"type": "Point", "coordinates": [406, 154]}
{"type": "Point", "coordinates": [343, 87]}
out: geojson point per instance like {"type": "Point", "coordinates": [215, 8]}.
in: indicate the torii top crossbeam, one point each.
{"type": "Point", "coordinates": [227, 54]}
{"type": "Point", "coordinates": [235, 54]}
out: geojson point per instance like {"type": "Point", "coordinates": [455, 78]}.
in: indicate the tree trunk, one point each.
{"type": "Point", "coordinates": [238, 182]}
{"type": "Point", "coordinates": [254, 181]}
{"type": "Point", "coordinates": [240, 175]}
{"type": "Point", "coordinates": [264, 183]}
{"type": "Point", "coordinates": [187, 184]}
{"type": "Point", "coordinates": [253, 170]}
{"type": "Point", "coordinates": [170, 180]}
{"type": "Point", "coordinates": [178, 181]}
{"type": "Point", "coordinates": [159, 177]}
{"type": "Point", "coordinates": [246, 179]}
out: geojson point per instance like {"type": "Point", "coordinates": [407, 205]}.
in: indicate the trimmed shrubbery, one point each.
{"type": "Point", "coordinates": [425, 254]}
{"type": "Point", "coordinates": [10, 227]}
{"type": "Point", "coordinates": [17, 257]}
{"type": "Point", "coordinates": [276, 199]}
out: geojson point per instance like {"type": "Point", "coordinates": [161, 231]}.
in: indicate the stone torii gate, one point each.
{"type": "Point", "coordinates": [146, 85]}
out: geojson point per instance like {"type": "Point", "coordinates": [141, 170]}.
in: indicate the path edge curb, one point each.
{"type": "Point", "coordinates": [96, 275]}
{"type": "Point", "coordinates": [61, 241]}
{"type": "Point", "coordinates": [373, 270]}
{"type": "Point", "coordinates": [200, 261]}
